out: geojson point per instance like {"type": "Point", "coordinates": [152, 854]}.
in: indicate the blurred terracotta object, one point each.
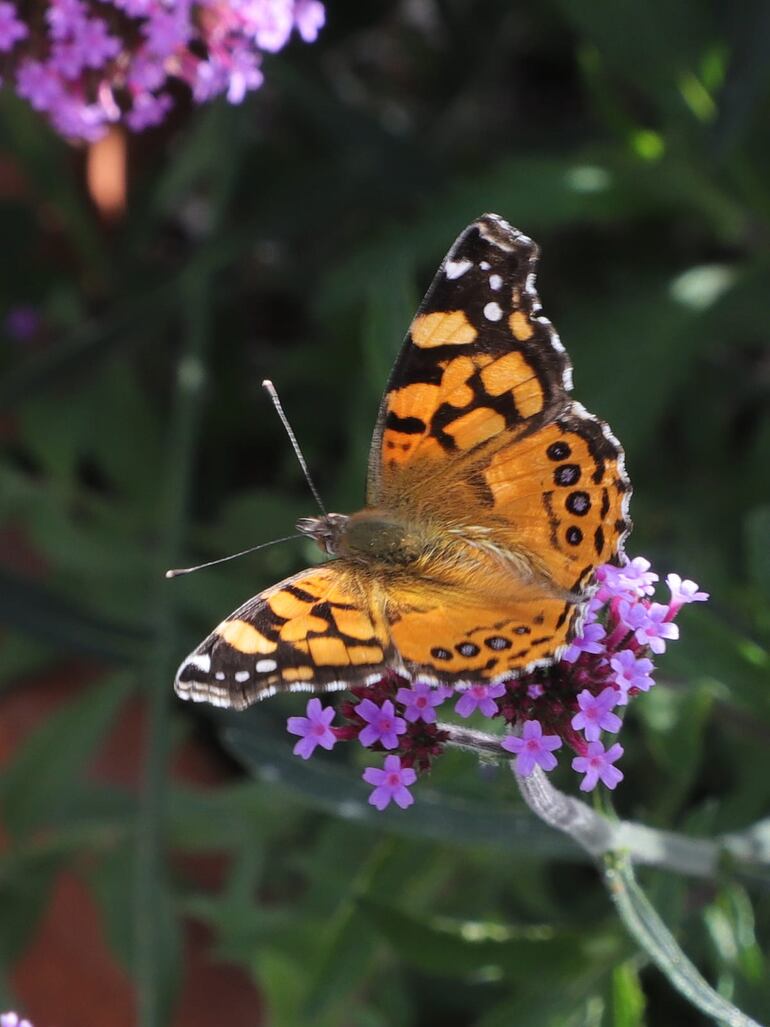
{"type": "Point", "coordinates": [106, 174]}
{"type": "Point", "coordinates": [68, 977]}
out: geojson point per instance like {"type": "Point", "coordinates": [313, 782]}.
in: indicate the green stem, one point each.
{"type": "Point", "coordinates": [150, 906]}
{"type": "Point", "coordinates": [651, 934]}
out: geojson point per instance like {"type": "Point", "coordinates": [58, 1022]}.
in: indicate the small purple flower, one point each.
{"type": "Point", "coordinates": [597, 765]}
{"type": "Point", "coordinates": [420, 701]}
{"type": "Point", "coordinates": [631, 671]}
{"type": "Point", "coordinates": [479, 697]}
{"type": "Point", "coordinates": [11, 29]}
{"type": "Point", "coordinates": [535, 691]}
{"type": "Point", "coordinates": [588, 642]}
{"type": "Point", "coordinates": [648, 624]}
{"type": "Point", "coordinates": [682, 592]}
{"type": "Point", "coordinates": [532, 749]}
{"type": "Point", "coordinates": [313, 729]}
{"type": "Point", "coordinates": [596, 714]}
{"type": "Point", "coordinates": [13, 1020]}
{"type": "Point", "coordinates": [634, 577]}
{"type": "Point", "coordinates": [391, 783]}
{"type": "Point", "coordinates": [382, 724]}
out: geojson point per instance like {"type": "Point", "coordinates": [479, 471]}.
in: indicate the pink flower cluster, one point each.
{"type": "Point", "coordinates": [89, 63]}
{"type": "Point", "coordinates": [573, 701]}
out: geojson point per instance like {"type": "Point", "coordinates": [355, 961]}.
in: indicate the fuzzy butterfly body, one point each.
{"type": "Point", "coordinates": [492, 496]}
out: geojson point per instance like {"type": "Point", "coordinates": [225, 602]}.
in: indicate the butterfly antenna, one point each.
{"type": "Point", "coordinates": [270, 389]}
{"type": "Point", "coordinates": [233, 556]}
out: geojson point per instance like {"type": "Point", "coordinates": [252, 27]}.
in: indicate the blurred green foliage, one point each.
{"type": "Point", "coordinates": [292, 238]}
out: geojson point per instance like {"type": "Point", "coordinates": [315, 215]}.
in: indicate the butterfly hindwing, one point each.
{"type": "Point", "coordinates": [315, 631]}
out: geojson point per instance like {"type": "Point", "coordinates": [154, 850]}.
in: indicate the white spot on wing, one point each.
{"type": "Point", "coordinates": [265, 666]}
{"type": "Point", "coordinates": [220, 675]}
{"type": "Point", "coordinates": [201, 661]}
{"type": "Point", "coordinates": [493, 311]}
{"type": "Point", "coordinates": [485, 265]}
{"type": "Point", "coordinates": [495, 282]}
{"type": "Point", "coordinates": [242, 675]}
{"type": "Point", "coordinates": [457, 268]}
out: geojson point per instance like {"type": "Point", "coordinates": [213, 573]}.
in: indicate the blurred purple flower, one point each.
{"type": "Point", "coordinates": [649, 624]}
{"type": "Point", "coordinates": [597, 766]}
{"type": "Point", "coordinates": [595, 713]}
{"type": "Point", "coordinates": [587, 642]}
{"type": "Point", "coordinates": [420, 701]}
{"type": "Point", "coordinates": [532, 749]}
{"type": "Point", "coordinates": [631, 671]}
{"type": "Point", "coordinates": [479, 697]}
{"type": "Point", "coordinates": [383, 725]}
{"type": "Point", "coordinates": [682, 592]}
{"type": "Point", "coordinates": [313, 729]}
{"type": "Point", "coordinates": [92, 62]}
{"type": "Point", "coordinates": [22, 322]}
{"type": "Point", "coordinates": [11, 28]}
{"type": "Point", "coordinates": [391, 783]}
{"type": "Point", "coordinates": [13, 1020]}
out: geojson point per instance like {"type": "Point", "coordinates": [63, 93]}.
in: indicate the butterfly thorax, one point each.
{"type": "Point", "coordinates": [368, 536]}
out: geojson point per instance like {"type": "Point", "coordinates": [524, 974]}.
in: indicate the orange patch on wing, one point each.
{"type": "Point", "coordinates": [285, 604]}
{"type": "Point", "coordinates": [475, 427]}
{"type": "Point", "coordinates": [299, 627]}
{"type": "Point", "coordinates": [454, 382]}
{"type": "Point", "coordinates": [244, 637]}
{"type": "Point", "coordinates": [328, 652]}
{"type": "Point", "coordinates": [442, 329]}
{"type": "Point", "coordinates": [416, 400]}
{"type": "Point", "coordinates": [353, 623]}
{"type": "Point", "coordinates": [297, 674]}
{"type": "Point", "coordinates": [365, 654]}
{"type": "Point", "coordinates": [512, 373]}
{"type": "Point", "coordinates": [520, 326]}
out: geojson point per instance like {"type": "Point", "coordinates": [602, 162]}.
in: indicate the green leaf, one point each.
{"type": "Point", "coordinates": [339, 791]}
{"type": "Point", "coordinates": [628, 1001]}
{"type": "Point", "coordinates": [757, 534]}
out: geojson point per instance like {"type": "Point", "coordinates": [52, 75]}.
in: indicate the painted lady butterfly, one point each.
{"type": "Point", "coordinates": [491, 498]}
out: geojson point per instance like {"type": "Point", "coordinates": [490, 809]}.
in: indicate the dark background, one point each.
{"type": "Point", "coordinates": [155, 868]}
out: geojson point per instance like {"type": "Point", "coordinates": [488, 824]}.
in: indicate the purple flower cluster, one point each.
{"type": "Point", "coordinates": [89, 63]}
{"type": "Point", "coordinates": [573, 701]}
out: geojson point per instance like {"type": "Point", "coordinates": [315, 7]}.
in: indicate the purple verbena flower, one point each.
{"type": "Point", "coordinates": [596, 713]}
{"type": "Point", "coordinates": [590, 641]}
{"type": "Point", "coordinates": [479, 697]}
{"type": "Point", "coordinates": [631, 671]}
{"type": "Point", "coordinates": [532, 749]}
{"type": "Point", "coordinates": [420, 701]}
{"type": "Point", "coordinates": [634, 577]}
{"type": "Point", "coordinates": [382, 726]}
{"type": "Point", "coordinates": [391, 783]}
{"type": "Point", "coordinates": [11, 28]}
{"type": "Point", "coordinates": [682, 592]}
{"type": "Point", "coordinates": [313, 729]}
{"type": "Point", "coordinates": [597, 765]}
{"type": "Point", "coordinates": [648, 623]}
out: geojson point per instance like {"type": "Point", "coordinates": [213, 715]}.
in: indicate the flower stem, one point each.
{"type": "Point", "coordinates": [644, 925]}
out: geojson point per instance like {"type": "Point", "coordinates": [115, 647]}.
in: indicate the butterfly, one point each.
{"type": "Point", "coordinates": [491, 498]}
